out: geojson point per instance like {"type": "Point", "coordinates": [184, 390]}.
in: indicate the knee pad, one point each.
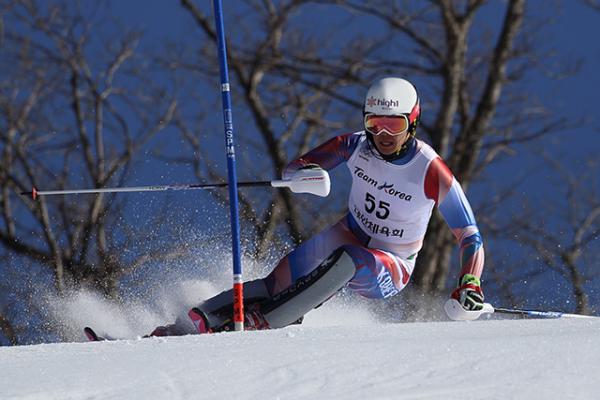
{"type": "Point", "coordinates": [310, 290]}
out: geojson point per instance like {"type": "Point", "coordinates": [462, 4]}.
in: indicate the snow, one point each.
{"type": "Point", "coordinates": [486, 359]}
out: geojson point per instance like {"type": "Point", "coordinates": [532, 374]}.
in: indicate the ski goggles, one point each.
{"type": "Point", "coordinates": [392, 124]}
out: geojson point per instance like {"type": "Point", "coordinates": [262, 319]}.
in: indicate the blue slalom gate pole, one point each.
{"type": "Point", "coordinates": [238, 283]}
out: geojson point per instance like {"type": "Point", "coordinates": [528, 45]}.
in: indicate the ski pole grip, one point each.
{"type": "Point", "coordinates": [313, 181]}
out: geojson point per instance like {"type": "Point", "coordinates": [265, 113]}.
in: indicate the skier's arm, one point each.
{"type": "Point", "coordinates": [328, 155]}
{"type": "Point", "coordinates": [442, 187]}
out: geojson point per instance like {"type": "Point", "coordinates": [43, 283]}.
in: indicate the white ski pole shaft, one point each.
{"type": "Point", "coordinates": [317, 187]}
{"type": "Point", "coordinates": [156, 188]}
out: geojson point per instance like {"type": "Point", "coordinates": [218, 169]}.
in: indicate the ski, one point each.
{"type": "Point", "coordinates": [198, 317]}
{"type": "Point", "coordinates": [91, 335]}
{"type": "Point", "coordinates": [94, 337]}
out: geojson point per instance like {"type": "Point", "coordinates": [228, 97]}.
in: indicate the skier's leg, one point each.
{"type": "Point", "coordinates": [379, 273]}
{"type": "Point", "coordinates": [371, 272]}
{"type": "Point", "coordinates": [308, 256]}
{"type": "Point", "coordinates": [309, 291]}
{"type": "Point", "coordinates": [218, 309]}
{"type": "Point", "coordinates": [182, 326]}
{"type": "Point", "coordinates": [287, 306]}
{"type": "Point", "coordinates": [297, 264]}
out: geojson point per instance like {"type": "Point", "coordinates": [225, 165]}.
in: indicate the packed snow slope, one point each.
{"type": "Point", "coordinates": [492, 359]}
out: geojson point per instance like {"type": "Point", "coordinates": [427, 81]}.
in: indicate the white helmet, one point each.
{"type": "Point", "coordinates": [394, 96]}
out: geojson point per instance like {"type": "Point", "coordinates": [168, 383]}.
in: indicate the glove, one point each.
{"type": "Point", "coordinates": [309, 179]}
{"type": "Point", "coordinates": [469, 293]}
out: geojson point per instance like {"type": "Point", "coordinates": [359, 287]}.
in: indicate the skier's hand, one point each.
{"type": "Point", "coordinates": [310, 179]}
{"type": "Point", "coordinates": [469, 293]}
{"type": "Point", "coordinates": [309, 172]}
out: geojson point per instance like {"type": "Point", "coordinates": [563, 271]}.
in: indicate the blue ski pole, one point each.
{"type": "Point", "coordinates": [238, 283]}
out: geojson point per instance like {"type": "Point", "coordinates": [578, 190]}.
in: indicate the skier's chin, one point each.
{"type": "Point", "coordinates": [388, 144]}
{"type": "Point", "coordinates": [388, 148]}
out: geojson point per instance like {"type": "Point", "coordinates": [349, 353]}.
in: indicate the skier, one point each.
{"type": "Point", "coordinates": [396, 181]}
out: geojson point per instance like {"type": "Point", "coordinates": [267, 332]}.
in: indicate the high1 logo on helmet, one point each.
{"type": "Point", "coordinates": [387, 103]}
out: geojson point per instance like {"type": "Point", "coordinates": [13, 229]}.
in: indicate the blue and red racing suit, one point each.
{"type": "Point", "coordinates": [389, 207]}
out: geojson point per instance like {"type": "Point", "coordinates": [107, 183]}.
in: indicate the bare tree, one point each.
{"type": "Point", "coordinates": [562, 234]}
{"type": "Point", "coordinates": [594, 4]}
{"type": "Point", "coordinates": [77, 106]}
{"type": "Point", "coordinates": [7, 330]}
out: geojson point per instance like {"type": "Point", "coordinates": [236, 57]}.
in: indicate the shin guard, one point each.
{"type": "Point", "coordinates": [309, 291]}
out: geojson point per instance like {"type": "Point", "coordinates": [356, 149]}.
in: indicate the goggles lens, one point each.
{"type": "Point", "coordinates": [392, 125]}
